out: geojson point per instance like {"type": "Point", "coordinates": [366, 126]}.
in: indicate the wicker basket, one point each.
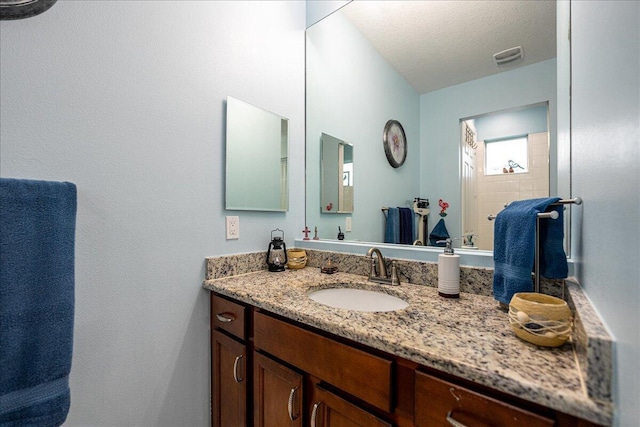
{"type": "Point", "coordinates": [296, 258]}
{"type": "Point", "coordinates": [540, 319]}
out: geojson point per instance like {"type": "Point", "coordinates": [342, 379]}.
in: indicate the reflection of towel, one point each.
{"type": "Point", "coordinates": [439, 232]}
{"type": "Point", "coordinates": [37, 233]}
{"type": "Point", "coordinates": [392, 228]}
{"type": "Point", "coordinates": [514, 246]}
{"type": "Point", "coordinates": [406, 226]}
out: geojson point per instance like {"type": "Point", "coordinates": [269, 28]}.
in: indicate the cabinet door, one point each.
{"type": "Point", "coordinates": [228, 381]}
{"type": "Point", "coordinates": [441, 403]}
{"type": "Point", "coordinates": [277, 394]}
{"type": "Point", "coordinates": [329, 410]}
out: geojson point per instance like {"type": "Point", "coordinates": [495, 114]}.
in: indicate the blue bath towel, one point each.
{"type": "Point", "coordinates": [553, 259]}
{"type": "Point", "coordinates": [438, 233]}
{"type": "Point", "coordinates": [392, 227]}
{"type": "Point", "coordinates": [406, 226]}
{"type": "Point", "coordinates": [514, 246]}
{"type": "Point", "coordinates": [37, 239]}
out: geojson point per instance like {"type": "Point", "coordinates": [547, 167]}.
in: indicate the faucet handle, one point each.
{"type": "Point", "coordinates": [395, 279]}
{"type": "Point", "coordinates": [372, 271]}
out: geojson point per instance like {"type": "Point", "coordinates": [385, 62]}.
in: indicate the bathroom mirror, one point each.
{"type": "Point", "coordinates": [337, 175]}
{"type": "Point", "coordinates": [354, 87]}
{"type": "Point", "coordinates": [256, 159]}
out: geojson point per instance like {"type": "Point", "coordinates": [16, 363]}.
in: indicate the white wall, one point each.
{"type": "Point", "coordinates": [605, 173]}
{"type": "Point", "coordinates": [126, 100]}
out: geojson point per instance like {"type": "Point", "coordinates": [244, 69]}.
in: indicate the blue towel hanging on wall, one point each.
{"type": "Point", "coordinates": [514, 247]}
{"type": "Point", "coordinates": [37, 241]}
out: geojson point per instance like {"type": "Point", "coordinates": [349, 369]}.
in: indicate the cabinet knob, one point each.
{"type": "Point", "coordinates": [225, 317]}
{"type": "Point", "coordinates": [292, 417]}
{"type": "Point", "coordinates": [235, 369]}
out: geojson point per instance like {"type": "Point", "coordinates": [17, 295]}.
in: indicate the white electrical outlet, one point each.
{"type": "Point", "coordinates": [347, 226]}
{"type": "Point", "coordinates": [233, 227]}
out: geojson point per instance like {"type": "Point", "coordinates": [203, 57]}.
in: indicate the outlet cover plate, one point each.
{"type": "Point", "coordinates": [233, 227]}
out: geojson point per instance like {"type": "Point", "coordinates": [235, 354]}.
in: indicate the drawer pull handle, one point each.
{"type": "Point", "coordinates": [314, 413]}
{"type": "Point", "coordinates": [453, 422]}
{"type": "Point", "coordinates": [235, 369]}
{"type": "Point", "coordinates": [226, 317]}
{"type": "Point", "coordinates": [453, 393]}
{"type": "Point", "coordinates": [290, 404]}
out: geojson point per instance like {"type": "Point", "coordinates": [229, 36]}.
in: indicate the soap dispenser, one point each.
{"type": "Point", "coordinates": [448, 272]}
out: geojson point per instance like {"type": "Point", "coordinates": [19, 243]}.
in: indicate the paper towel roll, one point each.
{"type": "Point", "coordinates": [449, 275]}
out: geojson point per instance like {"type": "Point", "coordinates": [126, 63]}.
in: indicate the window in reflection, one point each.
{"type": "Point", "coordinates": [506, 156]}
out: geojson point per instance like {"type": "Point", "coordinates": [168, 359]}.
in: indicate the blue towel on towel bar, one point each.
{"type": "Point", "coordinates": [553, 259]}
{"type": "Point", "coordinates": [392, 227]}
{"type": "Point", "coordinates": [37, 239]}
{"type": "Point", "coordinates": [514, 246]}
{"type": "Point", "coordinates": [406, 226]}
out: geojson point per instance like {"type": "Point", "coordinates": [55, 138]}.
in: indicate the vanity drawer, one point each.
{"type": "Point", "coordinates": [437, 401]}
{"type": "Point", "coordinates": [360, 374]}
{"type": "Point", "coordinates": [228, 316]}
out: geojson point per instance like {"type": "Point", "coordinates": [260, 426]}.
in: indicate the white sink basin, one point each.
{"type": "Point", "coordinates": [358, 299]}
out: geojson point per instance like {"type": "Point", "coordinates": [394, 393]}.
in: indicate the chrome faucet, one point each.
{"type": "Point", "coordinates": [378, 271]}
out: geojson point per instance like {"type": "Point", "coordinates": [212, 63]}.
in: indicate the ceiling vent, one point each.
{"type": "Point", "coordinates": [509, 55]}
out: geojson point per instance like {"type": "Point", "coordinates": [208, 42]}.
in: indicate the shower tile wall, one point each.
{"type": "Point", "coordinates": [493, 191]}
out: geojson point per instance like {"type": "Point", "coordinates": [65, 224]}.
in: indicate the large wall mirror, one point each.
{"type": "Point", "coordinates": [256, 158]}
{"type": "Point", "coordinates": [430, 66]}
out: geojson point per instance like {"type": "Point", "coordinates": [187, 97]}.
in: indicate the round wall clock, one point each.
{"type": "Point", "coordinates": [395, 143]}
{"type": "Point", "coordinates": [19, 9]}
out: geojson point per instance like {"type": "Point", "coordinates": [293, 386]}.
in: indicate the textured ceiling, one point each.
{"type": "Point", "coordinates": [436, 44]}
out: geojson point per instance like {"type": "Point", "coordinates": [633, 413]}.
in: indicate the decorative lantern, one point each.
{"type": "Point", "coordinates": [277, 252]}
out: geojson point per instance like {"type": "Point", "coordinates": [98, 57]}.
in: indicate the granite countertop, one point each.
{"type": "Point", "coordinates": [469, 337]}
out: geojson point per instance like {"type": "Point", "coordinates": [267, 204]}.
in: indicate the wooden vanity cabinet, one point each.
{"type": "Point", "coordinates": [296, 375]}
{"type": "Point", "coordinates": [229, 373]}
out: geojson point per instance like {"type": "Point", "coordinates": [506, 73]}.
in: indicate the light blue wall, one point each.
{"type": "Point", "coordinates": [350, 101]}
{"type": "Point", "coordinates": [512, 123]}
{"type": "Point", "coordinates": [606, 174]}
{"type": "Point", "coordinates": [126, 99]}
{"type": "Point", "coordinates": [440, 114]}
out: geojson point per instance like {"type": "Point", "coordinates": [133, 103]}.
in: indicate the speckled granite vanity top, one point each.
{"type": "Point", "coordinates": [469, 337]}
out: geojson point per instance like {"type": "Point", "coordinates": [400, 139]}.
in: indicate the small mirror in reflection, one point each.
{"type": "Point", "coordinates": [336, 175]}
